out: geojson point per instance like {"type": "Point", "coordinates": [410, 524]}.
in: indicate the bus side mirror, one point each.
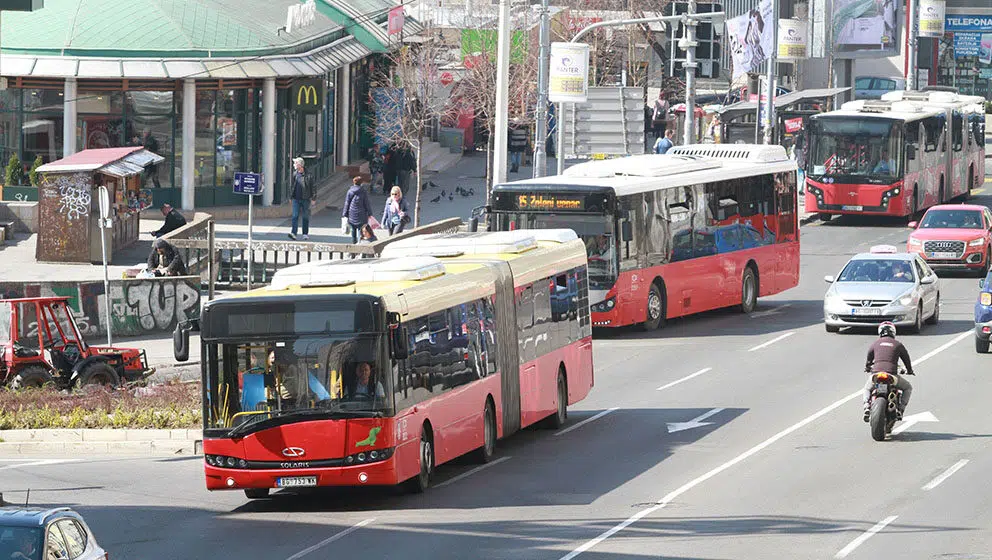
{"type": "Point", "coordinates": [398, 348]}
{"type": "Point", "coordinates": [626, 231]}
{"type": "Point", "coordinates": [180, 342]}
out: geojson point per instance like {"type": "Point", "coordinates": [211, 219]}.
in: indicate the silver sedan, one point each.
{"type": "Point", "coordinates": [879, 286]}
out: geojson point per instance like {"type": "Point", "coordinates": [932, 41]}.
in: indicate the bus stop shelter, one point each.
{"type": "Point", "coordinates": [69, 208]}
{"type": "Point", "coordinates": [738, 121]}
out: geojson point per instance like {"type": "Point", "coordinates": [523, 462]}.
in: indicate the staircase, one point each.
{"type": "Point", "coordinates": [435, 158]}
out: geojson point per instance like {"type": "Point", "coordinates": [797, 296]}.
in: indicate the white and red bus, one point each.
{"type": "Point", "coordinates": [699, 228]}
{"type": "Point", "coordinates": [896, 156]}
{"type": "Point", "coordinates": [375, 371]}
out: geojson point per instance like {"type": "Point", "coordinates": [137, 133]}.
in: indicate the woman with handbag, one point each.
{"type": "Point", "coordinates": [395, 215]}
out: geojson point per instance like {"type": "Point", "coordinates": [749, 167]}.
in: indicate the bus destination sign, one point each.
{"type": "Point", "coordinates": [550, 202]}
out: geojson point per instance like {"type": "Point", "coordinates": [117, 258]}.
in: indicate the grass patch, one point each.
{"type": "Point", "coordinates": [172, 405]}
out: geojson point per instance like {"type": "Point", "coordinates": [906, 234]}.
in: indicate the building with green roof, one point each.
{"type": "Point", "coordinates": [216, 86]}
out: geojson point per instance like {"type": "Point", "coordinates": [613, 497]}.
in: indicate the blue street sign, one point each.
{"type": "Point", "coordinates": [248, 183]}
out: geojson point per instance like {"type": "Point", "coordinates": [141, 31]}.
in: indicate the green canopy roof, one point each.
{"type": "Point", "coordinates": [187, 28]}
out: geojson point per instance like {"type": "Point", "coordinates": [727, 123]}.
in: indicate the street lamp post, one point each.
{"type": "Point", "coordinates": [541, 128]}
{"type": "Point", "coordinates": [772, 73]}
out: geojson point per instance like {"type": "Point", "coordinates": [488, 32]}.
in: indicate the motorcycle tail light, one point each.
{"type": "Point", "coordinates": [882, 376]}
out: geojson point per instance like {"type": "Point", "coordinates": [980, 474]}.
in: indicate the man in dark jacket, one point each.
{"type": "Point", "coordinates": [304, 198]}
{"type": "Point", "coordinates": [357, 208]}
{"type": "Point", "coordinates": [517, 142]}
{"type": "Point", "coordinates": [173, 220]}
{"type": "Point", "coordinates": [884, 356]}
{"type": "Point", "coordinates": [164, 260]}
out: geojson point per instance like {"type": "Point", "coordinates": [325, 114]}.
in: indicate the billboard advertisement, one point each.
{"type": "Point", "coordinates": [792, 39]}
{"type": "Point", "coordinates": [931, 18]}
{"type": "Point", "coordinates": [750, 37]}
{"type": "Point", "coordinates": [865, 28]}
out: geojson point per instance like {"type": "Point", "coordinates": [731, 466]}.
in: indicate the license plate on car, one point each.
{"type": "Point", "coordinates": [865, 311]}
{"type": "Point", "coordinates": [943, 255]}
{"type": "Point", "coordinates": [296, 481]}
{"type": "Point", "coordinates": [853, 208]}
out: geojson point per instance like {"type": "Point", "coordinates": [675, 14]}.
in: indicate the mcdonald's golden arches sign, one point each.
{"type": "Point", "coordinates": [307, 95]}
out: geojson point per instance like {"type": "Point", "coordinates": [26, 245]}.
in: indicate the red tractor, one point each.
{"type": "Point", "coordinates": [70, 362]}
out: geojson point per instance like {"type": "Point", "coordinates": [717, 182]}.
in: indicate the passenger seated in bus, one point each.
{"type": "Point", "coordinates": [363, 383]}
{"type": "Point", "coordinates": [885, 165]}
{"type": "Point", "coordinates": [599, 246]}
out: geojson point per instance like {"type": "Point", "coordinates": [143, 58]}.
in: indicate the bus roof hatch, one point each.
{"type": "Point", "coordinates": [330, 273]}
{"type": "Point", "coordinates": [648, 165]}
{"type": "Point", "coordinates": [758, 153]}
{"type": "Point", "coordinates": [466, 243]}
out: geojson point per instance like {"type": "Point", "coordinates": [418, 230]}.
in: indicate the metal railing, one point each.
{"type": "Point", "coordinates": [223, 263]}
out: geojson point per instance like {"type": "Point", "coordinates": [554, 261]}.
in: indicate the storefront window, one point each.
{"type": "Point", "coordinates": [150, 125]}
{"type": "Point", "coordinates": [10, 124]}
{"type": "Point", "coordinates": [43, 100]}
{"type": "Point", "coordinates": [205, 139]}
{"type": "Point", "coordinates": [41, 127]}
{"type": "Point", "coordinates": [230, 128]}
{"type": "Point", "coordinates": [100, 121]}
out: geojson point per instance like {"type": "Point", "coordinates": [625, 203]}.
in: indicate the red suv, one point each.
{"type": "Point", "coordinates": [954, 237]}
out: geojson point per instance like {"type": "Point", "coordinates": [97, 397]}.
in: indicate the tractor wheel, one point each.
{"type": "Point", "coordinates": [98, 373]}
{"type": "Point", "coordinates": [34, 377]}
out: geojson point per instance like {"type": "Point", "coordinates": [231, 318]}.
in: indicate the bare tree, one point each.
{"type": "Point", "coordinates": [410, 101]}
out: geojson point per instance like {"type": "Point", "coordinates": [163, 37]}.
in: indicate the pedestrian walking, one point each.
{"type": "Point", "coordinates": [357, 208]}
{"type": "Point", "coordinates": [395, 215]}
{"type": "Point", "coordinates": [304, 198]}
{"type": "Point", "coordinates": [376, 164]}
{"type": "Point", "coordinates": [404, 168]}
{"type": "Point", "coordinates": [659, 118]}
{"type": "Point", "coordinates": [518, 141]}
{"type": "Point", "coordinates": [664, 143]}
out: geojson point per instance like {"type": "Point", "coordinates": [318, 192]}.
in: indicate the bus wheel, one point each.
{"type": "Point", "coordinates": [557, 420]}
{"type": "Point", "coordinates": [656, 309]}
{"type": "Point", "coordinates": [422, 481]}
{"type": "Point", "coordinates": [749, 291]}
{"type": "Point", "coordinates": [256, 493]}
{"type": "Point", "coordinates": [824, 217]}
{"type": "Point", "coordinates": [485, 453]}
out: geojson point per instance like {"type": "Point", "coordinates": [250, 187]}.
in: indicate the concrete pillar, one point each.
{"type": "Point", "coordinates": [268, 140]}
{"type": "Point", "coordinates": [189, 143]}
{"type": "Point", "coordinates": [343, 86]}
{"type": "Point", "coordinates": [69, 117]}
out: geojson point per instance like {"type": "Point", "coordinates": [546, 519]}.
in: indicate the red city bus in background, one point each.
{"type": "Point", "coordinates": [373, 372]}
{"type": "Point", "coordinates": [699, 228]}
{"type": "Point", "coordinates": [894, 157]}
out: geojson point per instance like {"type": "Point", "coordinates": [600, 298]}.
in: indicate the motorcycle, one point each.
{"type": "Point", "coordinates": [886, 401]}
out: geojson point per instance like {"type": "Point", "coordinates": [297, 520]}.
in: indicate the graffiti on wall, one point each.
{"type": "Point", "coordinates": [76, 198]}
{"type": "Point", "coordinates": [154, 305]}
{"type": "Point", "coordinates": [137, 306]}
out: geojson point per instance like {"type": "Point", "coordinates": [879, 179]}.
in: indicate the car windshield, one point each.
{"type": "Point", "coordinates": [877, 270]}
{"type": "Point", "coordinates": [953, 219]}
{"type": "Point", "coordinates": [857, 149]}
{"type": "Point", "coordinates": [23, 543]}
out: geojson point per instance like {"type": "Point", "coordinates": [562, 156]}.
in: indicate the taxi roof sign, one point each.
{"type": "Point", "coordinates": [883, 249]}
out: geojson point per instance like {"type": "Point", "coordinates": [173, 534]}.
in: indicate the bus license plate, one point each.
{"type": "Point", "coordinates": [865, 311]}
{"type": "Point", "coordinates": [296, 481]}
{"type": "Point", "coordinates": [853, 208]}
{"type": "Point", "coordinates": [943, 255]}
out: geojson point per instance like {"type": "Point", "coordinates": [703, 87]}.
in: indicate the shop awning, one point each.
{"type": "Point", "coordinates": [316, 62]}
{"type": "Point", "coordinates": [119, 162]}
{"type": "Point", "coordinates": [734, 110]}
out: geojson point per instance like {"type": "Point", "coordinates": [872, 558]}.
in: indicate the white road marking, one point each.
{"type": "Point", "coordinates": [586, 421]}
{"type": "Point", "coordinates": [703, 478]}
{"type": "Point", "coordinates": [772, 341]}
{"type": "Point", "coordinates": [865, 536]}
{"type": "Point", "coordinates": [694, 423]}
{"type": "Point", "coordinates": [473, 471]}
{"type": "Point", "coordinates": [686, 378]}
{"type": "Point", "coordinates": [331, 539]}
{"type": "Point", "coordinates": [37, 463]}
{"type": "Point", "coordinates": [945, 475]}
{"type": "Point", "coordinates": [911, 420]}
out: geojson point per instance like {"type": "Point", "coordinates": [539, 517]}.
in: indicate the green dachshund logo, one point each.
{"type": "Point", "coordinates": [371, 439]}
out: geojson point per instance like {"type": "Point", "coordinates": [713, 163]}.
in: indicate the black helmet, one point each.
{"type": "Point", "coordinates": [887, 329]}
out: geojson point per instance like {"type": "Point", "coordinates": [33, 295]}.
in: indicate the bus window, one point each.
{"type": "Point", "coordinates": [957, 132]}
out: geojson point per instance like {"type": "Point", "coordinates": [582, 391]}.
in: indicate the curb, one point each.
{"type": "Point", "coordinates": [151, 441]}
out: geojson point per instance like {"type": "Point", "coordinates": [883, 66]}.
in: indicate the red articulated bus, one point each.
{"type": "Point", "coordinates": [375, 371]}
{"type": "Point", "coordinates": [699, 228]}
{"type": "Point", "coordinates": [896, 156]}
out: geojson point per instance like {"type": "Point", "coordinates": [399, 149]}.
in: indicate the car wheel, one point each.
{"type": "Point", "coordinates": [981, 346]}
{"type": "Point", "coordinates": [988, 261]}
{"type": "Point", "coordinates": [936, 312]}
{"type": "Point", "coordinates": [918, 323]}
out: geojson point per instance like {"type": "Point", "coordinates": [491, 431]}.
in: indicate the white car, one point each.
{"type": "Point", "coordinates": [882, 285]}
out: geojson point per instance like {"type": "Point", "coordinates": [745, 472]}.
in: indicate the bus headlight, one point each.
{"type": "Point", "coordinates": [605, 305]}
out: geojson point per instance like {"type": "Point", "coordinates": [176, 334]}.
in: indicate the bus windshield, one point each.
{"type": "Point", "coordinates": [856, 149]}
{"type": "Point", "coordinates": [296, 360]}
{"type": "Point", "coordinates": [596, 231]}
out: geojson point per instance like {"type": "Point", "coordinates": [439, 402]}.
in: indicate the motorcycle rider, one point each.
{"type": "Point", "coordinates": [884, 356]}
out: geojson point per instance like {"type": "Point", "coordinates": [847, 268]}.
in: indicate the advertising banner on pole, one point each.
{"type": "Point", "coordinates": [750, 37]}
{"type": "Point", "coordinates": [792, 39]}
{"type": "Point", "coordinates": [866, 28]}
{"type": "Point", "coordinates": [569, 75]}
{"type": "Point", "coordinates": [932, 18]}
